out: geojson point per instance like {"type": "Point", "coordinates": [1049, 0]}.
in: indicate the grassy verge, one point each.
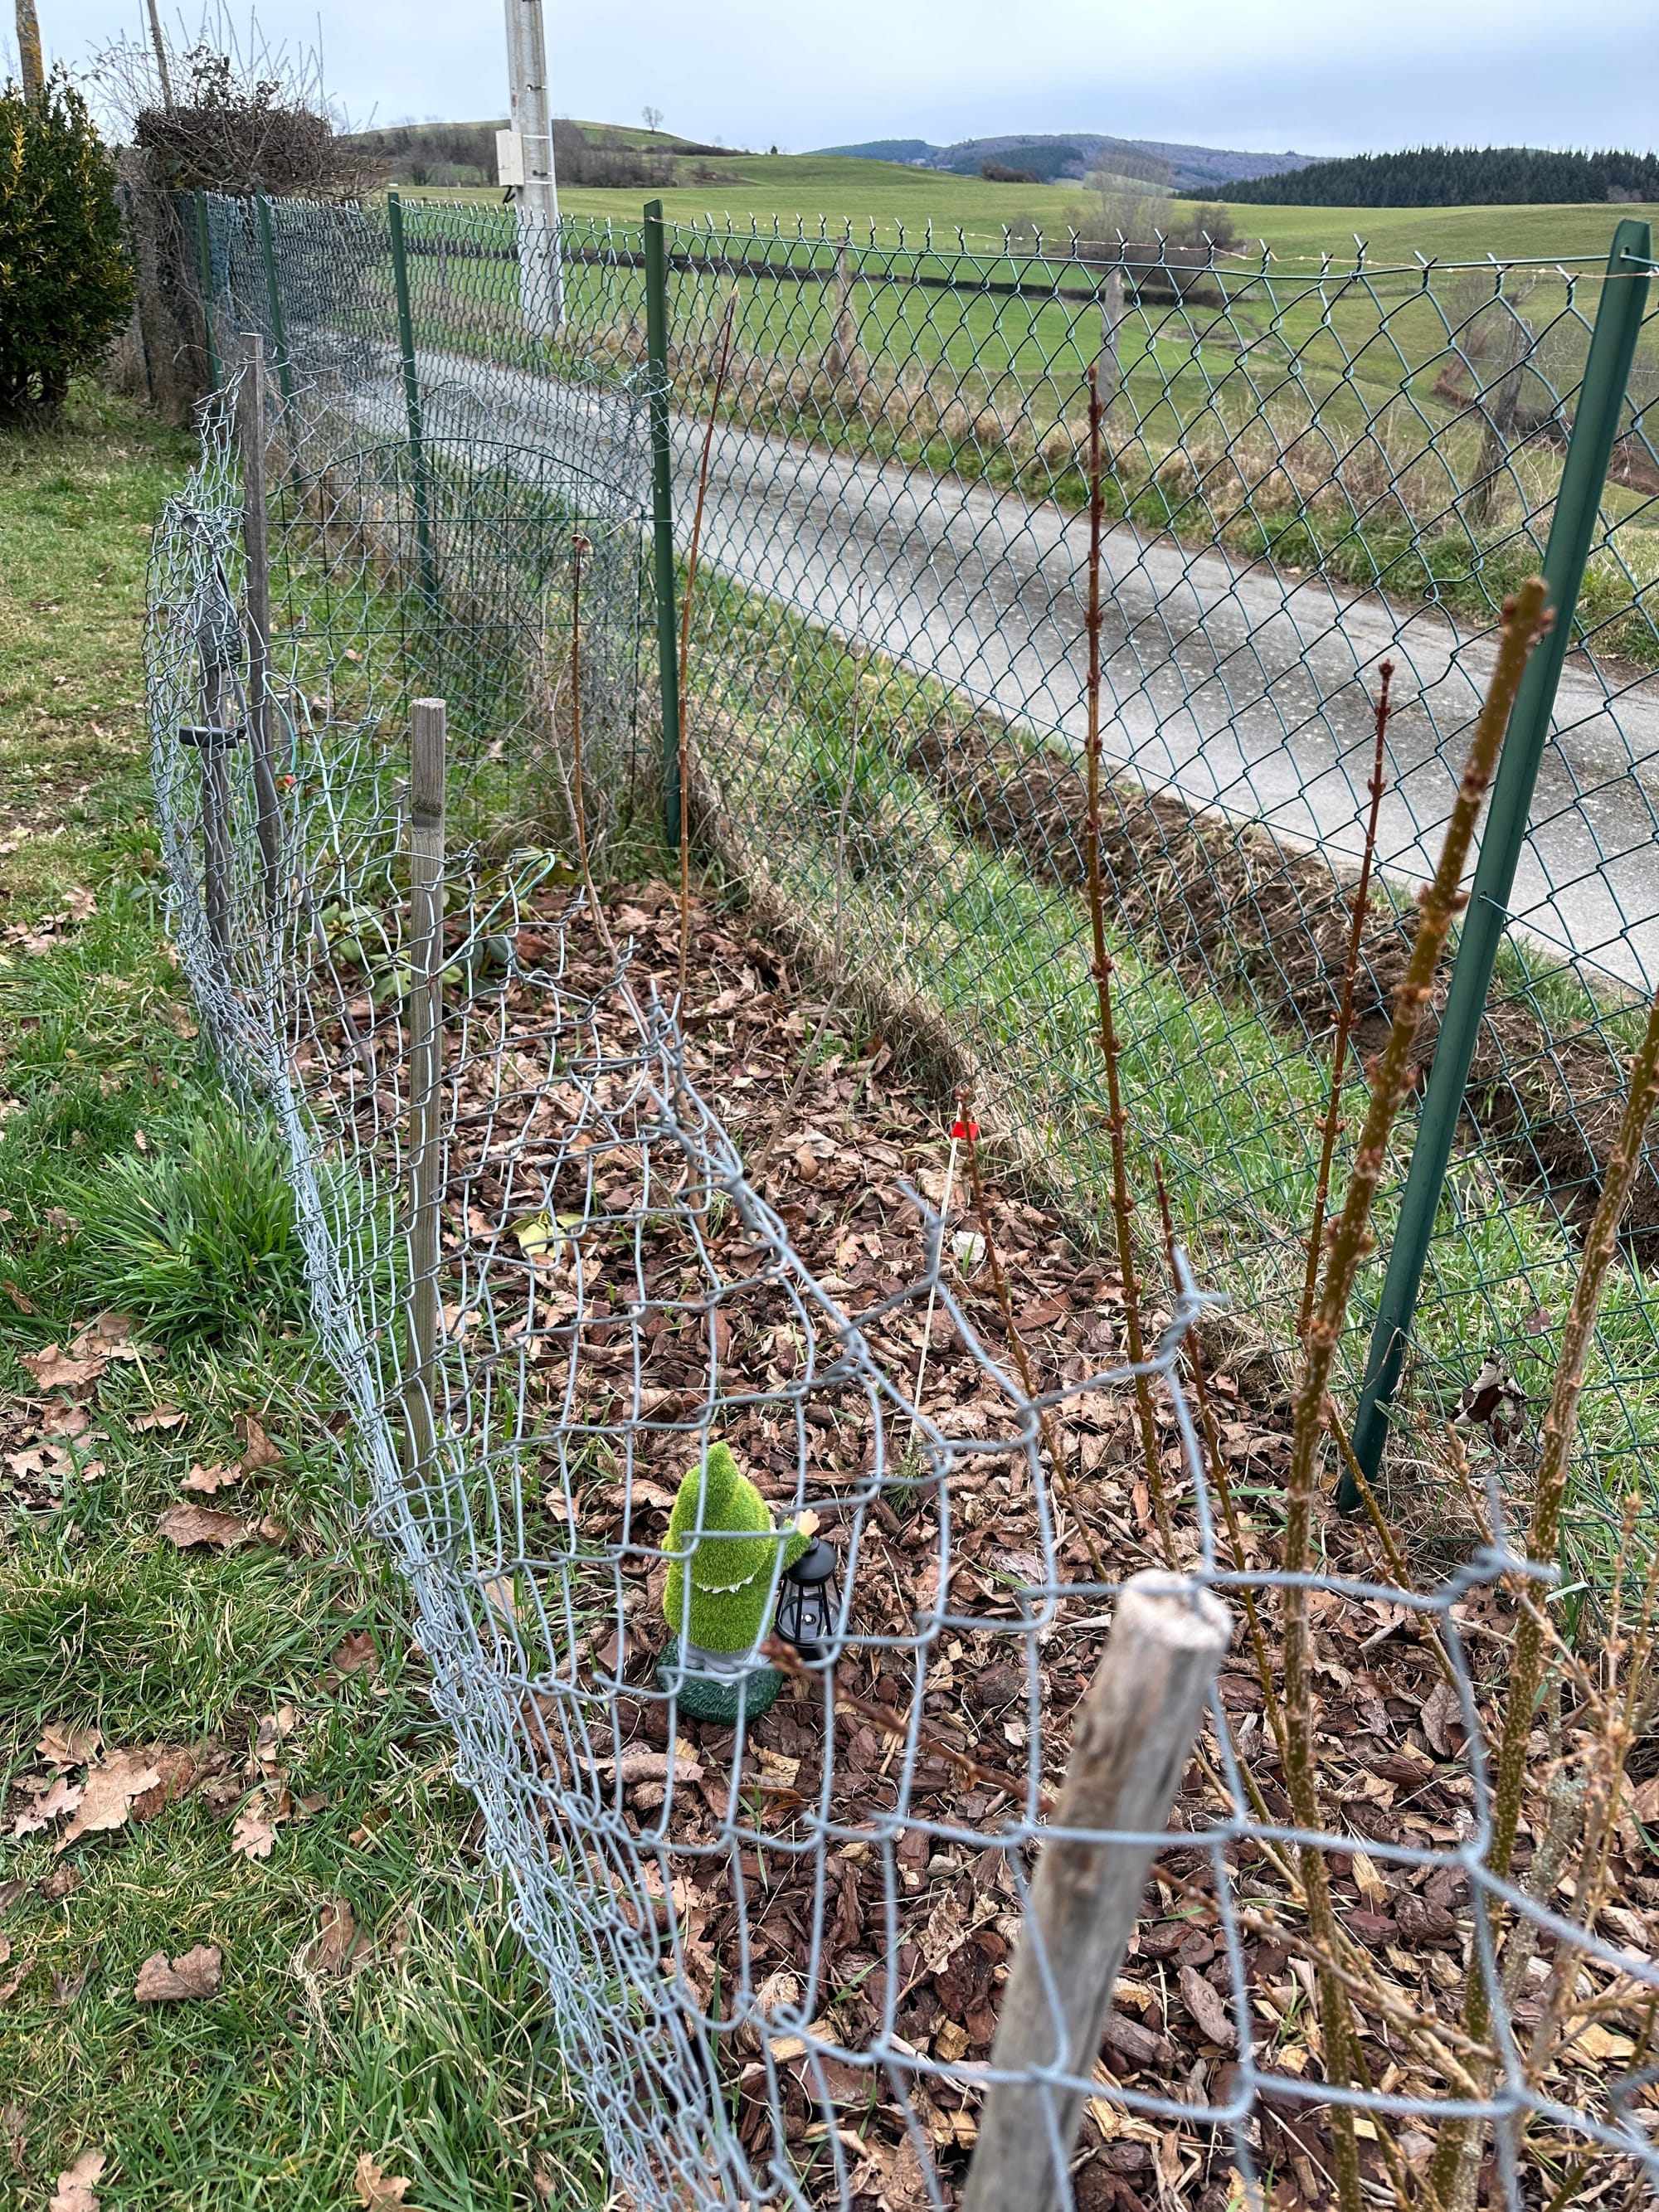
{"type": "Point", "coordinates": [1228, 1098]}
{"type": "Point", "coordinates": [124, 1180]}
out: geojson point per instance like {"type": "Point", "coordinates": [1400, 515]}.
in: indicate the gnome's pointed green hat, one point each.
{"type": "Point", "coordinates": [723, 1523]}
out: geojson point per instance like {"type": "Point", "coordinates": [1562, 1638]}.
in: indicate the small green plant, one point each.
{"type": "Point", "coordinates": [201, 1240]}
{"type": "Point", "coordinates": [65, 285]}
{"type": "Point", "coordinates": [723, 1518]}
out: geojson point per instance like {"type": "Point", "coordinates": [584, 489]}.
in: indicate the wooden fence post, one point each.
{"type": "Point", "coordinates": [1129, 1748]}
{"type": "Point", "coordinates": [426, 966]}
{"type": "Point", "coordinates": [256, 545]}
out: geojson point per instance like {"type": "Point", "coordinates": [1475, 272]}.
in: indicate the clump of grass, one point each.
{"type": "Point", "coordinates": [199, 1241]}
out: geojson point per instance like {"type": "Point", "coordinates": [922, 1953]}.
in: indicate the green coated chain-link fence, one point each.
{"type": "Point", "coordinates": [1311, 469]}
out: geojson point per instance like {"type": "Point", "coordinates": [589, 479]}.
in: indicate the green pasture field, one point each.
{"type": "Point", "coordinates": [1349, 373]}
{"type": "Point", "coordinates": [846, 189]}
{"type": "Point", "coordinates": [427, 2055]}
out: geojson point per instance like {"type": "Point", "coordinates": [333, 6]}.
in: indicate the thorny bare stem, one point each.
{"type": "Point", "coordinates": [1122, 1204]}
{"type": "Point", "coordinates": [1218, 1473]}
{"type": "Point", "coordinates": [684, 740]}
{"type": "Point", "coordinates": [1458, 2147]}
{"type": "Point", "coordinates": [1345, 1011]}
{"type": "Point", "coordinates": [1349, 1241]}
{"type": "Point", "coordinates": [1052, 1441]}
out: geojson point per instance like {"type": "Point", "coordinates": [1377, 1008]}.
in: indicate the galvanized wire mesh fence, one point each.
{"type": "Point", "coordinates": [1312, 468]}
{"type": "Point", "coordinates": [774, 1952]}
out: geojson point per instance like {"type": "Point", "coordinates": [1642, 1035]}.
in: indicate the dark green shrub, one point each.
{"type": "Point", "coordinates": [65, 284]}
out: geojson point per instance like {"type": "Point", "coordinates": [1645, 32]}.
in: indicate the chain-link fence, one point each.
{"type": "Point", "coordinates": [1310, 469]}
{"type": "Point", "coordinates": [784, 1942]}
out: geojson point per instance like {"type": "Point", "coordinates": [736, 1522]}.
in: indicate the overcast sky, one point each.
{"type": "Point", "coordinates": [1318, 75]}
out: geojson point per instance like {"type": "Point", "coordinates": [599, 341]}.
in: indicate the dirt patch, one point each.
{"type": "Point", "coordinates": [1235, 911]}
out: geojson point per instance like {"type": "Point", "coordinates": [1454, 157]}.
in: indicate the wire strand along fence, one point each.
{"type": "Point", "coordinates": [1312, 468]}
{"type": "Point", "coordinates": [773, 1955]}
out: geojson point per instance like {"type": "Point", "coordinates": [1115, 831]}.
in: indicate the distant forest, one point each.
{"type": "Point", "coordinates": [1458, 176]}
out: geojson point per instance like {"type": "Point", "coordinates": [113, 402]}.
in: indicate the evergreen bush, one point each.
{"type": "Point", "coordinates": [66, 283]}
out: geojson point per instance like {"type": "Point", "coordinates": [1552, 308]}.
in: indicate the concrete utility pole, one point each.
{"type": "Point", "coordinates": [29, 63]}
{"type": "Point", "coordinates": [525, 156]}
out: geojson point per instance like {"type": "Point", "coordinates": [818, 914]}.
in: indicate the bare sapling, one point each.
{"type": "Point", "coordinates": [1456, 2152]}
{"type": "Point", "coordinates": [1348, 1241]}
{"type": "Point", "coordinates": [1122, 1204]}
{"type": "Point", "coordinates": [683, 735]}
{"type": "Point", "coordinates": [1345, 1011]}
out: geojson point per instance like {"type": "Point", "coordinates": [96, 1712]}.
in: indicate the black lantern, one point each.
{"type": "Point", "coordinates": [808, 1600]}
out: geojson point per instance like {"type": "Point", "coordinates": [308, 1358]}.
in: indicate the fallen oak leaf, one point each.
{"type": "Point", "coordinates": [194, 1974]}
{"type": "Point", "coordinates": [354, 1653]}
{"type": "Point", "coordinates": [258, 1449]}
{"type": "Point", "coordinates": [75, 2185]}
{"type": "Point", "coordinates": [54, 1370]}
{"type": "Point", "coordinates": [253, 1836]}
{"type": "Point", "coordinates": [339, 1947]}
{"type": "Point", "coordinates": [24, 1305]}
{"type": "Point", "coordinates": [159, 1416]}
{"type": "Point", "coordinates": [184, 1525]}
{"type": "Point", "coordinates": [377, 2191]}
{"type": "Point", "coordinates": [211, 1479]}
{"type": "Point", "coordinates": [178, 1771]}
{"type": "Point", "coordinates": [110, 1335]}
{"type": "Point", "coordinates": [69, 1747]}
{"type": "Point", "coordinates": [15, 1979]}
{"type": "Point", "coordinates": [62, 1798]}
{"type": "Point", "coordinates": [108, 1795]}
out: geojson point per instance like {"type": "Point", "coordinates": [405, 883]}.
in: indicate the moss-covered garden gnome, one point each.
{"type": "Point", "coordinates": [723, 1525]}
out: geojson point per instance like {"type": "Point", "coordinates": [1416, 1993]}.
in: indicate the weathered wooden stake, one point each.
{"type": "Point", "coordinates": [426, 963]}
{"type": "Point", "coordinates": [1129, 1749]}
{"type": "Point", "coordinates": [1109, 369]}
{"type": "Point", "coordinates": [250, 427]}
{"type": "Point", "coordinates": [215, 646]}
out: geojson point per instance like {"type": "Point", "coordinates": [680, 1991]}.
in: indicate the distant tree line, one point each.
{"type": "Point", "coordinates": [1457, 176]}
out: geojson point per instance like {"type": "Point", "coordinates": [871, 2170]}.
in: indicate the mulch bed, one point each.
{"type": "Point", "coordinates": [906, 1938]}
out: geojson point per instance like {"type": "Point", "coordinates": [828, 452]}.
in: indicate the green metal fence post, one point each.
{"type": "Point", "coordinates": [204, 254]}
{"type": "Point", "coordinates": [274, 296]}
{"type": "Point", "coordinates": [662, 512]}
{"type": "Point", "coordinates": [1590, 449]}
{"type": "Point", "coordinates": [411, 393]}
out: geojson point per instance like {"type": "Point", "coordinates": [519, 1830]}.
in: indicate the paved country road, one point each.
{"type": "Point", "coordinates": [1237, 686]}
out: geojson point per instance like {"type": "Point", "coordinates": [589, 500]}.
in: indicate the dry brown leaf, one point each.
{"type": "Point", "coordinates": [109, 1792]}
{"type": "Point", "coordinates": [376, 2189]}
{"type": "Point", "coordinates": [15, 1979]}
{"type": "Point", "coordinates": [258, 1449]}
{"type": "Point", "coordinates": [75, 2187]}
{"type": "Point", "coordinates": [208, 1479]}
{"type": "Point", "coordinates": [160, 1416]}
{"type": "Point", "coordinates": [62, 1798]}
{"type": "Point", "coordinates": [339, 1947]}
{"type": "Point", "coordinates": [68, 1421]}
{"type": "Point", "coordinates": [178, 1770]}
{"type": "Point", "coordinates": [110, 1335]}
{"type": "Point", "coordinates": [252, 1835]}
{"type": "Point", "coordinates": [1206, 2005]}
{"type": "Point", "coordinates": [354, 1652]}
{"type": "Point", "coordinates": [81, 904]}
{"type": "Point", "coordinates": [53, 1368]}
{"type": "Point", "coordinates": [184, 1525]}
{"type": "Point", "coordinates": [194, 1974]}
{"type": "Point", "coordinates": [69, 1747]}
